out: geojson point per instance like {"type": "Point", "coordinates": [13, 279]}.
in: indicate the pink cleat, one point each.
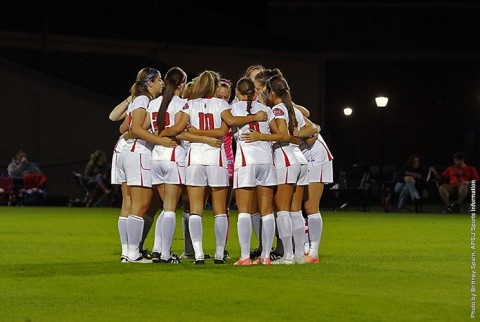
{"type": "Point", "coordinates": [311, 260]}
{"type": "Point", "coordinates": [262, 261]}
{"type": "Point", "coordinates": [243, 262]}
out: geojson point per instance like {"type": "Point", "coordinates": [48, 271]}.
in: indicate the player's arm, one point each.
{"type": "Point", "coordinates": [120, 111]}
{"type": "Point", "coordinates": [214, 133]}
{"type": "Point", "coordinates": [178, 127]}
{"type": "Point", "coordinates": [138, 131]}
{"type": "Point", "coordinates": [231, 120]}
{"type": "Point", "coordinates": [307, 130]}
{"type": "Point", "coordinates": [279, 130]}
{"type": "Point", "coordinates": [212, 141]}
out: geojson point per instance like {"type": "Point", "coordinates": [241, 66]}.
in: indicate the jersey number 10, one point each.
{"type": "Point", "coordinates": [206, 121]}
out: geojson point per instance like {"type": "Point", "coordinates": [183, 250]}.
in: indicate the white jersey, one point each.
{"type": "Point", "coordinates": [120, 145]}
{"type": "Point", "coordinates": [139, 145]}
{"type": "Point", "coordinates": [259, 152]}
{"type": "Point", "coordinates": [318, 153]}
{"type": "Point", "coordinates": [160, 152]}
{"type": "Point", "coordinates": [205, 114]}
{"type": "Point", "coordinates": [296, 148]}
{"type": "Point", "coordinates": [283, 152]}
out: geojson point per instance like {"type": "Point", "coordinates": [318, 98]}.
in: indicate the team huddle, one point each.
{"type": "Point", "coordinates": [177, 142]}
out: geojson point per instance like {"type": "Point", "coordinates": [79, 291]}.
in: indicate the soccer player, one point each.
{"type": "Point", "coordinates": [135, 162]}
{"type": "Point", "coordinates": [291, 168]}
{"type": "Point", "coordinates": [206, 166]}
{"type": "Point", "coordinates": [255, 174]}
{"type": "Point", "coordinates": [320, 172]}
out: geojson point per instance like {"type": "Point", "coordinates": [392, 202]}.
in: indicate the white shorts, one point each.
{"type": "Point", "coordinates": [255, 175]}
{"type": "Point", "coordinates": [206, 175]}
{"type": "Point", "coordinates": [294, 174]}
{"type": "Point", "coordinates": [167, 172]}
{"type": "Point", "coordinates": [137, 168]}
{"type": "Point", "coordinates": [320, 172]}
{"type": "Point", "coordinates": [117, 174]}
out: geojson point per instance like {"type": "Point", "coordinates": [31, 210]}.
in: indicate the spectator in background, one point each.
{"type": "Point", "coordinates": [21, 166]}
{"type": "Point", "coordinates": [456, 179]}
{"type": "Point", "coordinates": [96, 176]}
{"type": "Point", "coordinates": [410, 181]}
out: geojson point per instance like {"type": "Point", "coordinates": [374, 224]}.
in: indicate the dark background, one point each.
{"type": "Point", "coordinates": [423, 55]}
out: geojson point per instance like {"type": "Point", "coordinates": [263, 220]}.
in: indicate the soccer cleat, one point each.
{"type": "Point", "coordinates": [123, 259]}
{"type": "Point", "coordinates": [243, 262]}
{"type": "Point", "coordinates": [171, 260]}
{"type": "Point", "coordinates": [448, 210]}
{"type": "Point", "coordinates": [187, 256]}
{"type": "Point", "coordinates": [140, 260]}
{"type": "Point", "coordinates": [254, 254]}
{"type": "Point", "coordinates": [146, 254]}
{"type": "Point", "coordinates": [226, 255]}
{"type": "Point", "coordinates": [262, 261]}
{"type": "Point", "coordinates": [284, 261]}
{"type": "Point", "coordinates": [206, 256]}
{"type": "Point", "coordinates": [199, 262]}
{"type": "Point", "coordinates": [311, 260]}
{"type": "Point", "coordinates": [455, 207]}
{"type": "Point", "coordinates": [155, 257]}
{"type": "Point", "coordinates": [219, 261]}
{"type": "Point", "coordinates": [275, 256]}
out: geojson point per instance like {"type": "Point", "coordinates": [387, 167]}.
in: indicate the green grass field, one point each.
{"type": "Point", "coordinates": [62, 264]}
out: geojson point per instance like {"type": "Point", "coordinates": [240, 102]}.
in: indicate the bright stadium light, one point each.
{"type": "Point", "coordinates": [347, 111]}
{"type": "Point", "coordinates": [381, 101]}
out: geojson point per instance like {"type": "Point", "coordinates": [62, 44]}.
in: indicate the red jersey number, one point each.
{"type": "Point", "coordinates": [254, 126]}
{"type": "Point", "coordinates": [206, 121]}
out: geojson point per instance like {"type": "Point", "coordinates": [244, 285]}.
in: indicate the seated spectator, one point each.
{"type": "Point", "coordinates": [21, 166]}
{"type": "Point", "coordinates": [410, 181]}
{"type": "Point", "coordinates": [96, 176]}
{"type": "Point", "coordinates": [456, 179]}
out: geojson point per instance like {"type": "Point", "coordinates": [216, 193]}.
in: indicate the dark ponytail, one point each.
{"type": "Point", "coordinates": [279, 86]}
{"type": "Point", "coordinates": [174, 78]}
{"type": "Point", "coordinates": [245, 86]}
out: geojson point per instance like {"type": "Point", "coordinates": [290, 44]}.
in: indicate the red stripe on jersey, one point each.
{"type": "Point", "coordinates": [220, 162]}
{"type": "Point", "coordinates": [244, 163]}
{"type": "Point", "coordinates": [330, 158]}
{"type": "Point", "coordinates": [172, 158]}
{"type": "Point", "coordinates": [286, 177]}
{"type": "Point", "coordinates": [188, 163]}
{"type": "Point", "coordinates": [287, 162]}
{"type": "Point", "coordinates": [133, 146]}
{"type": "Point", "coordinates": [141, 173]}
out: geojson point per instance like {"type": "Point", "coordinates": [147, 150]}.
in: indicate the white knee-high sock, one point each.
{"type": "Point", "coordinates": [122, 231]}
{"type": "Point", "coordinates": [157, 242]}
{"type": "Point", "coordinates": [196, 232]}
{"type": "Point", "coordinates": [315, 227]}
{"type": "Point", "coordinates": [221, 227]}
{"type": "Point", "coordinates": [257, 226]}
{"type": "Point", "coordinates": [268, 233]}
{"type": "Point", "coordinates": [298, 232]}
{"type": "Point", "coordinates": [134, 235]}
{"type": "Point", "coordinates": [187, 240]}
{"type": "Point", "coordinates": [167, 232]}
{"type": "Point", "coordinates": [284, 226]}
{"type": "Point", "coordinates": [244, 228]}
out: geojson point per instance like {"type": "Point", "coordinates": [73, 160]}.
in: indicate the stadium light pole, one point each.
{"type": "Point", "coordinates": [381, 102]}
{"type": "Point", "coordinates": [347, 111]}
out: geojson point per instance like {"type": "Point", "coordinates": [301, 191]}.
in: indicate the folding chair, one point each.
{"type": "Point", "coordinates": [6, 190]}
{"type": "Point", "coordinates": [33, 191]}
